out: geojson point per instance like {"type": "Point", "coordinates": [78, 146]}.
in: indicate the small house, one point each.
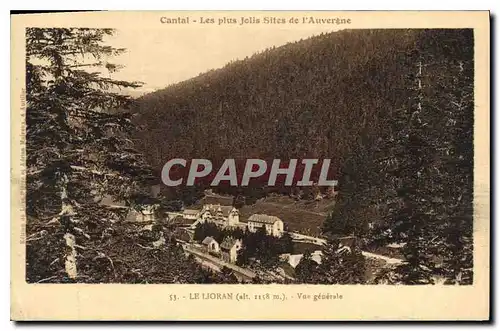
{"type": "Point", "coordinates": [211, 245]}
{"type": "Point", "coordinates": [139, 214]}
{"type": "Point", "coordinates": [145, 214]}
{"type": "Point", "coordinates": [230, 248]}
{"type": "Point", "coordinates": [182, 221]}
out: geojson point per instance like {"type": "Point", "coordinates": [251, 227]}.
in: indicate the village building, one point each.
{"type": "Point", "coordinates": [145, 214]}
{"type": "Point", "coordinates": [140, 214]}
{"type": "Point", "coordinates": [211, 245]}
{"type": "Point", "coordinates": [181, 221]}
{"type": "Point", "coordinates": [183, 234]}
{"type": "Point", "coordinates": [191, 214]}
{"type": "Point", "coordinates": [272, 224]}
{"type": "Point", "coordinates": [225, 216]}
{"type": "Point", "coordinates": [229, 249]}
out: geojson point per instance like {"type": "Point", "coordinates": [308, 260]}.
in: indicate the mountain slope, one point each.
{"type": "Point", "coordinates": [312, 98]}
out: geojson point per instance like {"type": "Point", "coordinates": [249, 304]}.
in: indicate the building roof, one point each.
{"type": "Point", "coordinates": [110, 202]}
{"type": "Point", "coordinates": [263, 218]}
{"type": "Point", "coordinates": [228, 243]}
{"type": "Point", "coordinates": [216, 209]}
{"type": "Point", "coordinates": [190, 212]}
{"type": "Point", "coordinates": [179, 220]}
{"type": "Point", "coordinates": [208, 240]}
{"type": "Point", "coordinates": [132, 215]}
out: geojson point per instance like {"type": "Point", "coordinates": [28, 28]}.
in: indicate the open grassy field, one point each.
{"type": "Point", "coordinates": [302, 216]}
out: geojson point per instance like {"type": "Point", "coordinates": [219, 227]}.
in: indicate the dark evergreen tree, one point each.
{"type": "Point", "coordinates": [450, 93]}
{"type": "Point", "coordinates": [228, 276]}
{"type": "Point", "coordinates": [285, 244]}
{"type": "Point", "coordinates": [79, 150]}
{"type": "Point", "coordinates": [306, 270]}
{"type": "Point", "coordinates": [78, 145]}
{"type": "Point", "coordinates": [340, 265]}
{"type": "Point", "coordinates": [414, 185]}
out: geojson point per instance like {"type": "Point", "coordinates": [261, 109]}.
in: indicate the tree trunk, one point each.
{"type": "Point", "coordinates": [67, 211]}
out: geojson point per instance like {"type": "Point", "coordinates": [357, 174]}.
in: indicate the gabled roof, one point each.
{"type": "Point", "coordinates": [190, 212]}
{"type": "Point", "coordinates": [110, 202]}
{"type": "Point", "coordinates": [263, 218]}
{"type": "Point", "coordinates": [228, 243]}
{"type": "Point", "coordinates": [208, 240]}
{"type": "Point", "coordinates": [179, 220]}
{"type": "Point", "coordinates": [218, 209]}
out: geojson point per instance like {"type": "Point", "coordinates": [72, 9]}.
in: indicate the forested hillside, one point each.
{"type": "Point", "coordinates": [412, 184]}
{"type": "Point", "coordinates": [393, 109]}
{"type": "Point", "coordinates": [314, 98]}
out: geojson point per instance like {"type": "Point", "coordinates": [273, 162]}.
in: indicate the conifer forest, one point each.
{"type": "Point", "coordinates": [392, 108]}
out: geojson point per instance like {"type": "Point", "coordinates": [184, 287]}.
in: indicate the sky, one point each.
{"type": "Point", "coordinates": [160, 57]}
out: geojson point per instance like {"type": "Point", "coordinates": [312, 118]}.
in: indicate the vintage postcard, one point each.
{"type": "Point", "coordinates": [271, 166]}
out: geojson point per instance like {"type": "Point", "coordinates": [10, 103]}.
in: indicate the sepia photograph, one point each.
{"type": "Point", "coordinates": [270, 149]}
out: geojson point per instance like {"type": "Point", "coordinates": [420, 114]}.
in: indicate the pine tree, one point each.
{"type": "Point", "coordinates": [306, 269]}
{"type": "Point", "coordinates": [78, 146]}
{"type": "Point", "coordinates": [340, 265]}
{"type": "Point", "coordinates": [432, 162]}
{"type": "Point", "coordinates": [285, 244]}
{"type": "Point", "coordinates": [449, 93]}
{"type": "Point", "coordinates": [228, 276]}
{"type": "Point", "coordinates": [412, 221]}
